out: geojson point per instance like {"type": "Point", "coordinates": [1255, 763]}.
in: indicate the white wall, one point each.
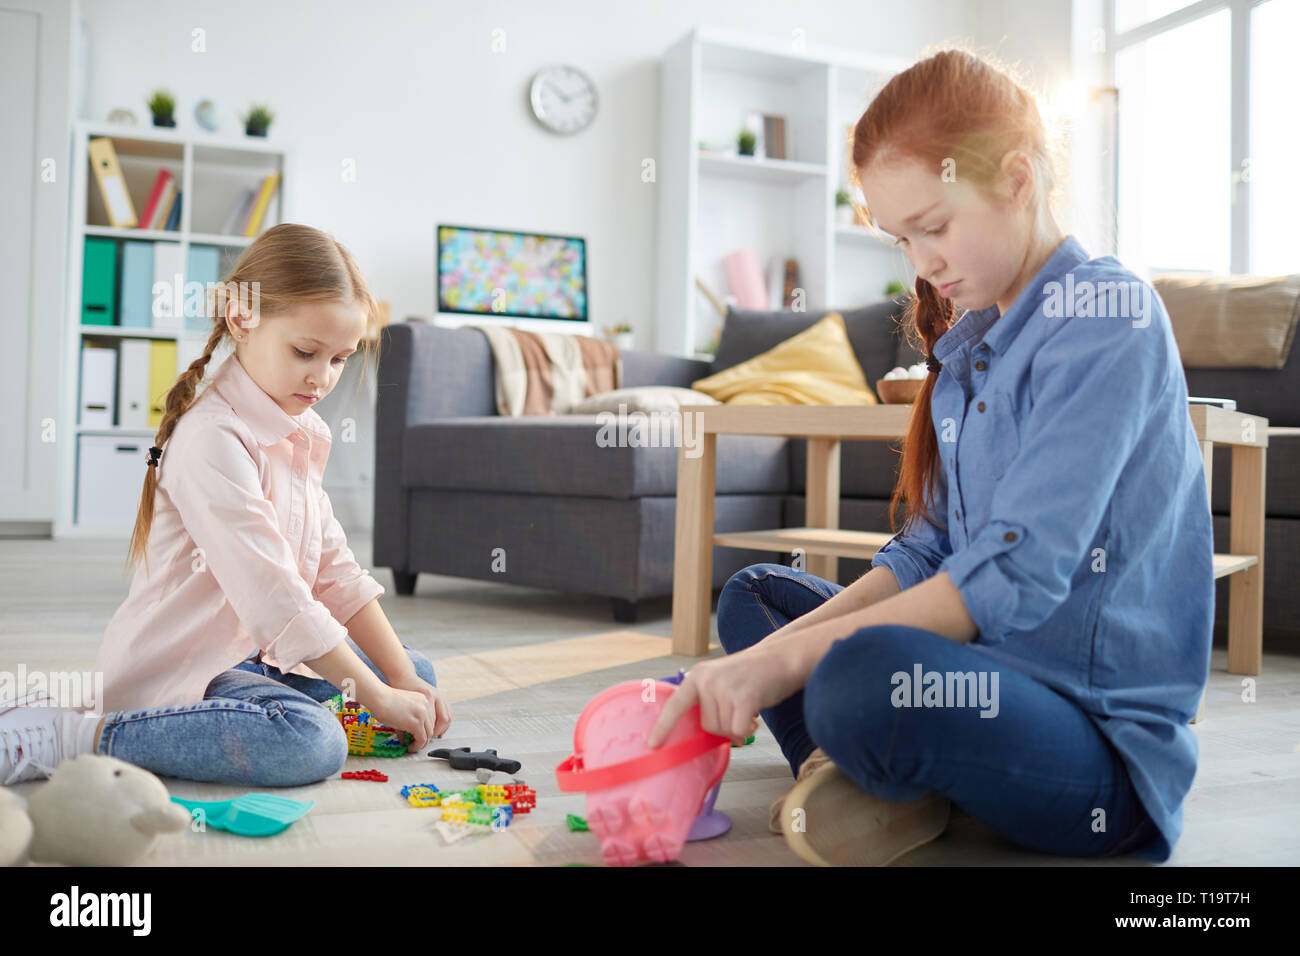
{"type": "Point", "coordinates": [438, 124]}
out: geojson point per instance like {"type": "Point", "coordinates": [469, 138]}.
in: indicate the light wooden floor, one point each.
{"type": "Point", "coordinates": [520, 664]}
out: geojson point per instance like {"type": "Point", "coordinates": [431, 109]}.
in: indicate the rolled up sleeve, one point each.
{"type": "Point", "coordinates": [914, 555]}
{"type": "Point", "coordinates": [212, 479]}
{"type": "Point", "coordinates": [342, 585]}
{"type": "Point", "coordinates": [1095, 384]}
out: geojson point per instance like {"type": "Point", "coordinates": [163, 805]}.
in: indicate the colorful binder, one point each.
{"type": "Point", "coordinates": [133, 387]}
{"type": "Point", "coordinates": [162, 376]}
{"type": "Point", "coordinates": [169, 287]}
{"type": "Point", "coordinates": [137, 285]}
{"type": "Point", "coordinates": [112, 186]}
{"type": "Point", "coordinates": [98, 385]}
{"type": "Point", "coordinates": [203, 267]}
{"type": "Point", "coordinates": [99, 282]}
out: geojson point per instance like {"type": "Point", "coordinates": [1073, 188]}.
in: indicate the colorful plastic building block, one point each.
{"type": "Point", "coordinates": [451, 832]}
{"type": "Point", "coordinates": [422, 795]}
{"type": "Point", "coordinates": [365, 775]}
{"type": "Point", "coordinates": [576, 823]}
{"type": "Point", "coordinates": [462, 758]}
{"type": "Point", "coordinates": [748, 740]}
{"type": "Point", "coordinates": [522, 798]}
{"type": "Point", "coordinates": [367, 737]}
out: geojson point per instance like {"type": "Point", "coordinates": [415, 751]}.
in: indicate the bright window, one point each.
{"type": "Point", "coordinates": [1175, 187]}
{"type": "Point", "coordinates": [1274, 138]}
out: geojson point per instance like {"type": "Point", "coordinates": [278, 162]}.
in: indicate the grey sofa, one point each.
{"type": "Point", "coordinates": [455, 482]}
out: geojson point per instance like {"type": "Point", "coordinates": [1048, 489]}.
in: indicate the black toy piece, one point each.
{"type": "Point", "coordinates": [463, 759]}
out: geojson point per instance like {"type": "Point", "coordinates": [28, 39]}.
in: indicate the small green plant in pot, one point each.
{"type": "Point", "coordinates": [258, 120]}
{"type": "Point", "coordinates": [746, 141]}
{"type": "Point", "coordinates": [845, 214]}
{"type": "Point", "coordinates": [162, 105]}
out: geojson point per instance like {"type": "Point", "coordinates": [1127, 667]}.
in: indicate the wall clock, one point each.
{"type": "Point", "coordinates": [563, 98]}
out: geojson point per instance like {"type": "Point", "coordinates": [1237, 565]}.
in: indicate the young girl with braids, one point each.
{"type": "Point", "coordinates": [251, 609]}
{"type": "Point", "coordinates": [1033, 644]}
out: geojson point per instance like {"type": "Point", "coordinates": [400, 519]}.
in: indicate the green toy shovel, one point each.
{"type": "Point", "coordinates": [253, 814]}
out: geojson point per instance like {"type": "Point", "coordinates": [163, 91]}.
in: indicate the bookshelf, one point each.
{"type": "Point", "coordinates": [139, 348]}
{"type": "Point", "coordinates": [712, 203]}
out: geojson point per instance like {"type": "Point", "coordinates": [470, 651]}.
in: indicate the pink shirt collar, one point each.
{"type": "Point", "coordinates": [269, 422]}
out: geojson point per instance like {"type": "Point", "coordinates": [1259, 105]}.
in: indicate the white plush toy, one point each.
{"type": "Point", "coordinates": [100, 811]}
{"type": "Point", "coordinates": [15, 828]}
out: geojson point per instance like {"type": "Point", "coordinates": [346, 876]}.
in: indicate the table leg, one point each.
{"type": "Point", "coordinates": [1246, 536]}
{"type": "Point", "coordinates": [693, 547]}
{"type": "Point", "coordinates": [1207, 454]}
{"type": "Point", "coordinates": [822, 500]}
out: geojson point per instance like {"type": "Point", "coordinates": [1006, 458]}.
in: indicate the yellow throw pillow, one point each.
{"type": "Point", "coordinates": [815, 367]}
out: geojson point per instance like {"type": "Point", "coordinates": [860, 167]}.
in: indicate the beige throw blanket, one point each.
{"type": "Point", "coordinates": [1232, 321]}
{"type": "Point", "coordinates": [546, 373]}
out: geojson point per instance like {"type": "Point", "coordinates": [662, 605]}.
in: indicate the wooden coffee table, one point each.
{"type": "Point", "coordinates": [825, 426]}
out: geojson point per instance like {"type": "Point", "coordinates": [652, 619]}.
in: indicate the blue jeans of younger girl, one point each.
{"type": "Point", "coordinates": [255, 727]}
{"type": "Point", "coordinates": [1037, 773]}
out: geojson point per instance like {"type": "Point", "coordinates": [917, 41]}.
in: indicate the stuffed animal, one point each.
{"type": "Point", "coordinates": [100, 811]}
{"type": "Point", "coordinates": [15, 828]}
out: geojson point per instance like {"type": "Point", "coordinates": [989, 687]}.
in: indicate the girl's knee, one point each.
{"type": "Point", "coordinates": [852, 685]}
{"type": "Point", "coordinates": [423, 666]}
{"type": "Point", "coordinates": [317, 750]}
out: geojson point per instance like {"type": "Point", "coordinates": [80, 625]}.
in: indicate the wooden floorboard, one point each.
{"type": "Point", "coordinates": [520, 664]}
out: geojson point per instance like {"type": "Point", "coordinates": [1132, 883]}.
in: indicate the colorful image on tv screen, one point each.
{"type": "Point", "coordinates": [511, 273]}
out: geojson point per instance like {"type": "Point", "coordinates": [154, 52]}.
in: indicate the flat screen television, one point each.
{"type": "Point", "coordinates": [517, 274]}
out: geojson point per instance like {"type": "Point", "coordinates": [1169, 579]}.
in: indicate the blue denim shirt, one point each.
{"type": "Point", "coordinates": [1076, 520]}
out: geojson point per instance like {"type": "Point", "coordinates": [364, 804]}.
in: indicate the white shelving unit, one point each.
{"type": "Point", "coordinates": [714, 203]}
{"type": "Point", "coordinates": [211, 171]}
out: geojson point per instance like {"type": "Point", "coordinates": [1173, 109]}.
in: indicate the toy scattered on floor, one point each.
{"type": "Point", "coordinates": [575, 823]}
{"type": "Point", "coordinates": [96, 810]}
{"type": "Point", "coordinates": [422, 795]}
{"type": "Point", "coordinates": [252, 815]}
{"type": "Point", "coordinates": [748, 740]}
{"type": "Point", "coordinates": [461, 758]}
{"type": "Point", "coordinates": [365, 775]}
{"type": "Point", "coordinates": [641, 803]}
{"type": "Point", "coordinates": [15, 828]}
{"type": "Point", "coordinates": [451, 832]}
{"type": "Point", "coordinates": [367, 737]}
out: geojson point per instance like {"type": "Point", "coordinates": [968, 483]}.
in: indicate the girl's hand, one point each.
{"type": "Point", "coordinates": [422, 712]}
{"type": "Point", "coordinates": [439, 706]}
{"type": "Point", "coordinates": [731, 691]}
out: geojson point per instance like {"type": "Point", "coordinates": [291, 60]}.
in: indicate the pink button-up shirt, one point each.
{"type": "Point", "coordinates": [244, 553]}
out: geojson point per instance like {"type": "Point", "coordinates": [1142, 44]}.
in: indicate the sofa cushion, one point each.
{"type": "Point", "coordinates": [657, 399]}
{"type": "Point", "coordinates": [561, 455]}
{"type": "Point", "coordinates": [813, 367]}
{"type": "Point", "coordinates": [871, 331]}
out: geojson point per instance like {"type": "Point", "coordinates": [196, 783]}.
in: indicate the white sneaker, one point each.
{"type": "Point", "coordinates": [33, 733]}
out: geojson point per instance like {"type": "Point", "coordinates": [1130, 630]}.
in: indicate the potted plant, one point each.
{"type": "Point", "coordinates": [746, 141]}
{"type": "Point", "coordinates": [845, 214]}
{"type": "Point", "coordinates": [162, 104]}
{"type": "Point", "coordinates": [620, 335]}
{"type": "Point", "coordinates": [894, 288]}
{"type": "Point", "coordinates": [257, 120]}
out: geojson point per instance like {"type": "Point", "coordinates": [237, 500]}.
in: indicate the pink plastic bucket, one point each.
{"type": "Point", "coordinates": [641, 802]}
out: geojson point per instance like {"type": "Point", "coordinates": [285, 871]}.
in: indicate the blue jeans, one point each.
{"type": "Point", "coordinates": [254, 727]}
{"type": "Point", "coordinates": [1037, 773]}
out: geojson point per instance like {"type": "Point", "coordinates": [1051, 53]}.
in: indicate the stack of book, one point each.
{"type": "Point", "coordinates": [246, 216]}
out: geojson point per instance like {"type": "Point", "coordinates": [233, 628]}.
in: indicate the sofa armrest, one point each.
{"type": "Point", "coordinates": [660, 368]}
{"type": "Point", "coordinates": [430, 371]}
